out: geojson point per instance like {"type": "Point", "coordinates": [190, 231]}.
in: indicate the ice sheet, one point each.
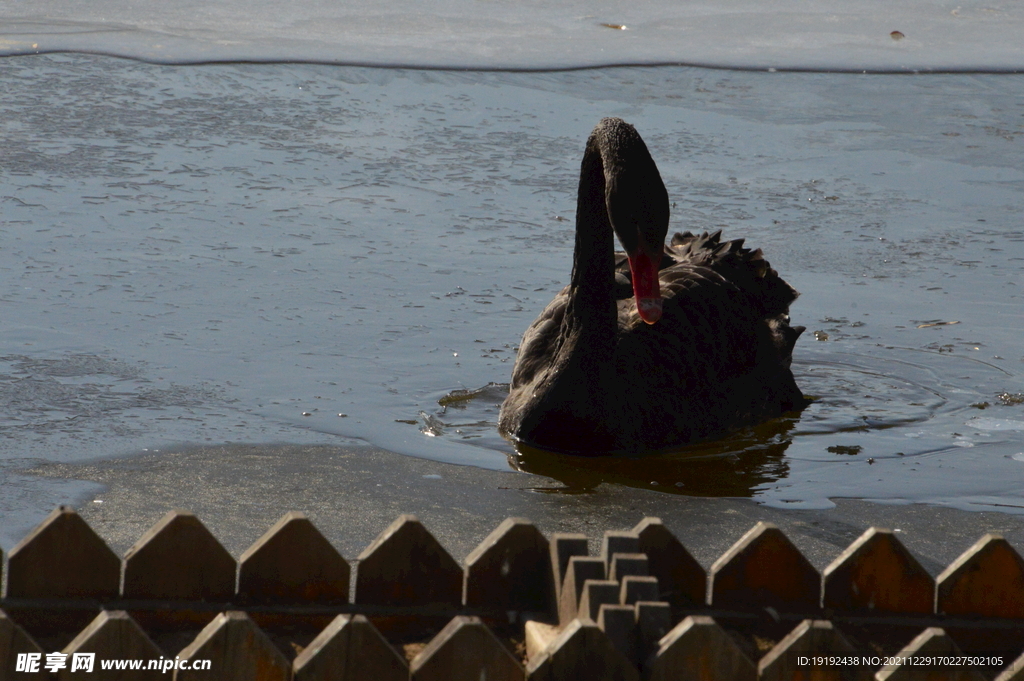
{"type": "Point", "coordinates": [852, 35]}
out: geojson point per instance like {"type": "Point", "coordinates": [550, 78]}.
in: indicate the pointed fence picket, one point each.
{"type": "Point", "coordinates": [62, 559]}
{"type": "Point", "coordinates": [292, 564]}
{"type": "Point", "coordinates": [810, 639]}
{"type": "Point", "coordinates": [406, 565]}
{"type": "Point", "coordinates": [876, 573]}
{"type": "Point", "coordinates": [643, 608]}
{"type": "Point", "coordinates": [466, 650]}
{"type": "Point", "coordinates": [764, 569]}
{"type": "Point", "coordinates": [349, 649]}
{"type": "Point", "coordinates": [511, 570]}
{"type": "Point", "coordinates": [112, 635]}
{"type": "Point", "coordinates": [177, 560]}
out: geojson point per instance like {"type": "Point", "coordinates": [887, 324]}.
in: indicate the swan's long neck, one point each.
{"type": "Point", "coordinates": [591, 316]}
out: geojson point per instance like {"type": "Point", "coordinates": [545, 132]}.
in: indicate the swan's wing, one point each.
{"type": "Point", "coordinates": [725, 312]}
{"type": "Point", "coordinates": [540, 342]}
{"type": "Point", "coordinates": [745, 268]}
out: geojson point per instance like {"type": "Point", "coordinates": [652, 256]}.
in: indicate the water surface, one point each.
{"type": "Point", "coordinates": [303, 253]}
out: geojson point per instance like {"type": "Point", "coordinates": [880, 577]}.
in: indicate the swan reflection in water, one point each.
{"type": "Point", "coordinates": [733, 466]}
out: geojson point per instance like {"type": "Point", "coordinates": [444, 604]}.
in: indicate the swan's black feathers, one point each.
{"type": "Point", "coordinates": [540, 342]}
{"type": "Point", "coordinates": [718, 358]}
{"type": "Point", "coordinates": [743, 266]}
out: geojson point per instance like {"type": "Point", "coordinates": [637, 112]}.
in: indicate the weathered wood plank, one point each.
{"type": "Point", "coordinates": [406, 565]}
{"type": "Point", "coordinates": [581, 651]}
{"type": "Point", "coordinates": [597, 592]}
{"type": "Point", "coordinates": [618, 541]}
{"type": "Point", "coordinates": [626, 564]}
{"type": "Point", "coordinates": [14, 641]}
{"type": "Point", "coordinates": [511, 570]}
{"type": "Point", "coordinates": [636, 588]}
{"type": "Point", "coordinates": [653, 622]}
{"type": "Point", "coordinates": [293, 563]}
{"type": "Point", "coordinates": [987, 580]}
{"type": "Point", "coordinates": [579, 570]}
{"type": "Point", "coordinates": [237, 651]}
{"type": "Point", "coordinates": [177, 559]}
{"type": "Point", "coordinates": [697, 648]}
{"type": "Point", "coordinates": [539, 636]}
{"type": "Point", "coordinates": [565, 545]}
{"type": "Point", "coordinates": [349, 649]}
{"type": "Point", "coordinates": [618, 622]}
{"type": "Point", "coordinates": [61, 558]}
{"type": "Point", "coordinates": [932, 642]}
{"type": "Point", "coordinates": [682, 580]}
{"type": "Point", "coordinates": [764, 568]}
{"type": "Point", "coordinates": [1014, 671]}
{"type": "Point", "coordinates": [877, 573]}
{"type": "Point", "coordinates": [465, 650]}
{"type": "Point", "coordinates": [809, 638]}
{"type": "Point", "coordinates": [113, 635]}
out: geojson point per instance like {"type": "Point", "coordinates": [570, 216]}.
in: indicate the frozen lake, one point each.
{"type": "Point", "coordinates": [314, 253]}
{"type": "Point", "coordinates": [836, 35]}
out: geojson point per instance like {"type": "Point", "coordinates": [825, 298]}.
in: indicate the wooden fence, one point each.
{"type": "Point", "coordinates": [524, 606]}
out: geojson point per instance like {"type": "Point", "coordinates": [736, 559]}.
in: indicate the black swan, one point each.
{"type": "Point", "coordinates": [705, 348]}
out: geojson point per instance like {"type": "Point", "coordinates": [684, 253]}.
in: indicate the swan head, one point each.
{"type": "Point", "coordinates": [637, 206]}
{"type": "Point", "coordinates": [638, 209]}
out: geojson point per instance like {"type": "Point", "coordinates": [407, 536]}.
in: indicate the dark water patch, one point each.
{"type": "Point", "coordinates": [85, 393]}
{"type": "Point", "coordinates": [735, 466]}
{"type": "Point", "coordinates": [851, 450]}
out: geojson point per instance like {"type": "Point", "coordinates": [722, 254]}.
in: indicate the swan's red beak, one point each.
{"type": "Point", "coordinates": [646, 288]}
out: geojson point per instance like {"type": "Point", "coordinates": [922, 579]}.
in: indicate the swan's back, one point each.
{"type": "Point", "coordinates": [720, 356]}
